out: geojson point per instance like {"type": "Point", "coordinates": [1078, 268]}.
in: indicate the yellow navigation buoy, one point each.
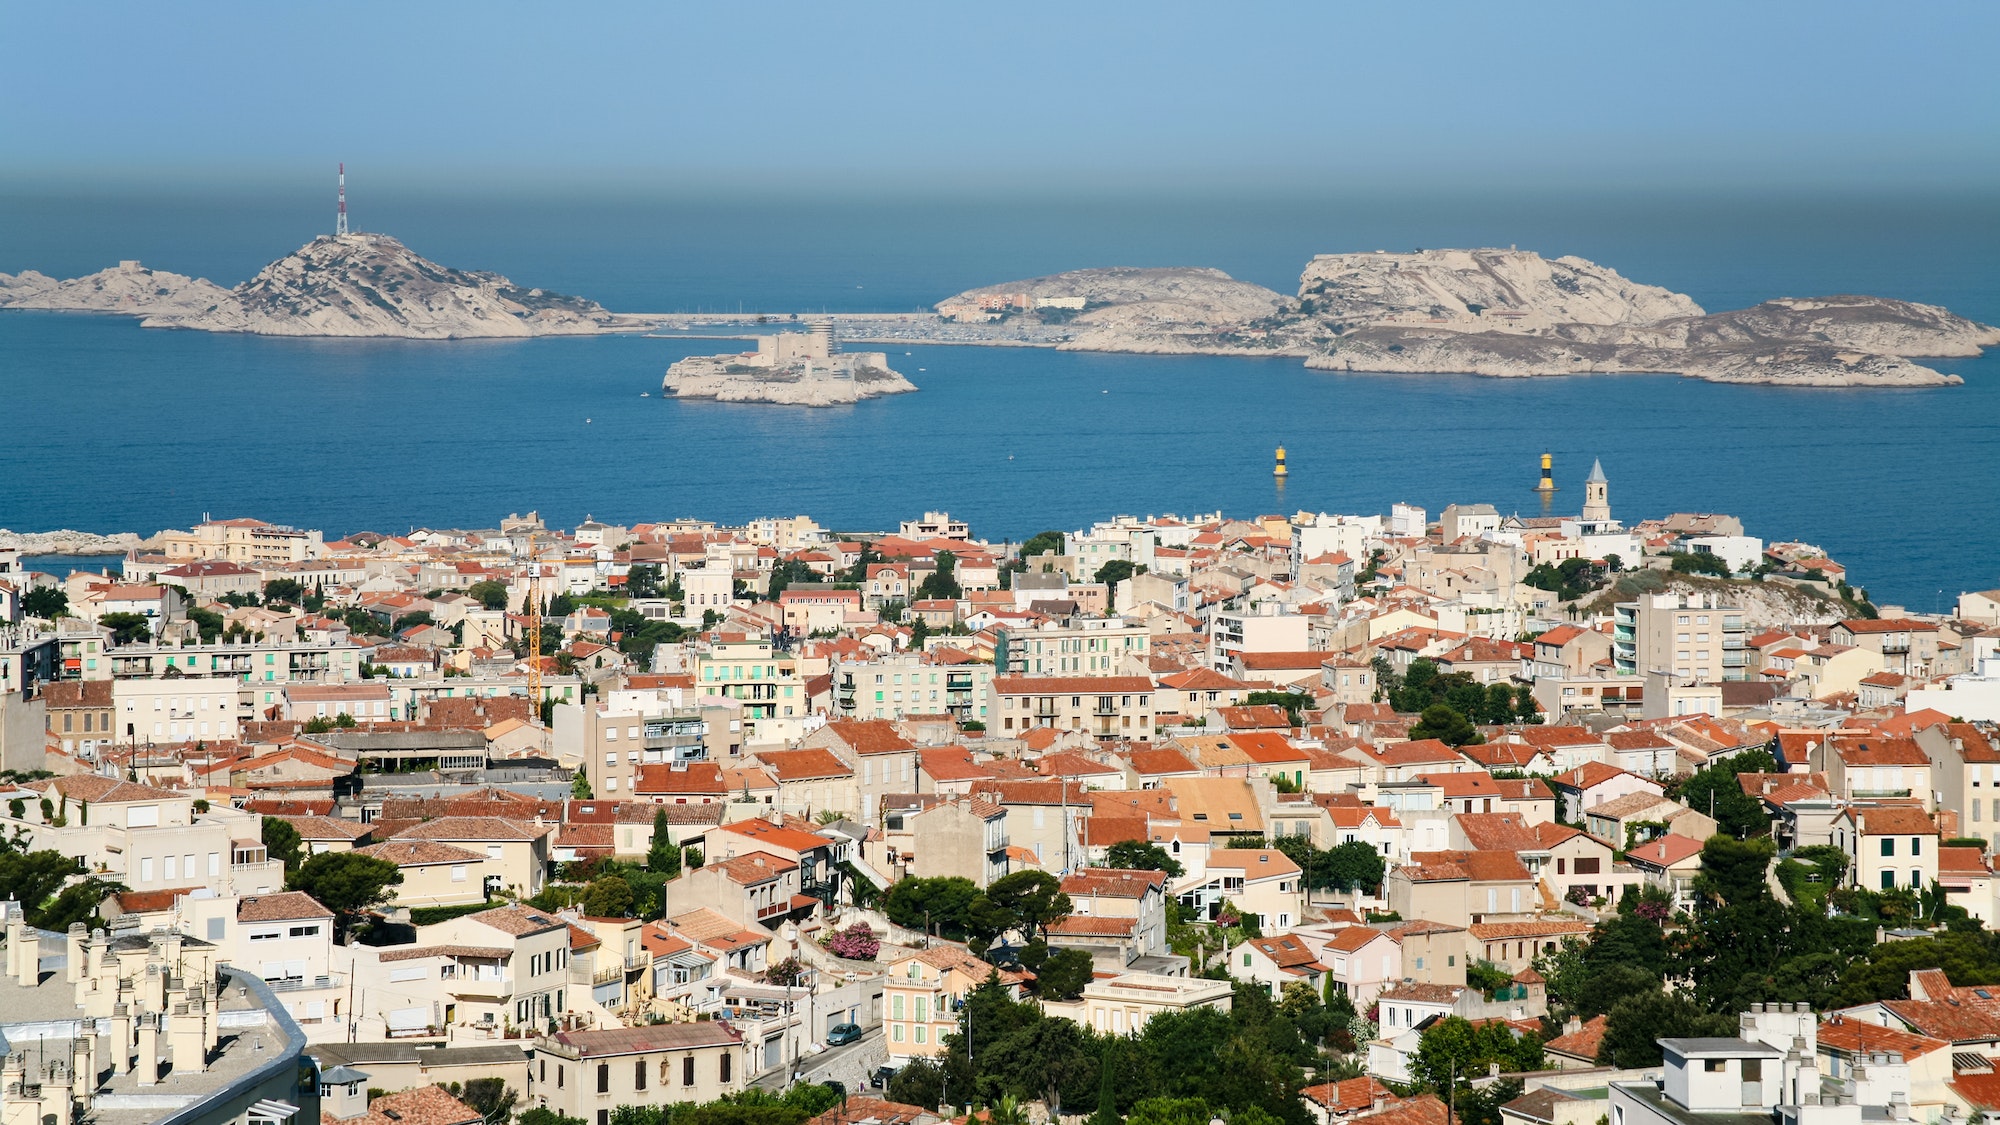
{"type": "Point", "coordinates": [1280, 470]}
{"type": "Point", "coordinates": [1548, 478]}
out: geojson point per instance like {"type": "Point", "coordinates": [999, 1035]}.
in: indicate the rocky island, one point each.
{"type": "Point", "coordinates": [1510, 313]}
{"type": "Point", "coordinates": [788, 369]}
{"type": "Point", "coordinates": [345, 285]}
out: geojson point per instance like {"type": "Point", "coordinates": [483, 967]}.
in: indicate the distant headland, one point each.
{"type": "Point", "coordinates": [335, 285]}
{"type": "Point", "coordinates": [1507, 313]}
{"type": "Point", "coordinates": [1510, 313]}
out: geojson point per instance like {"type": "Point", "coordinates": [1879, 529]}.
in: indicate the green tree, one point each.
{"type": "Point", "coordinates": [1138, 855]}
{"type": "Point", "coordinates": [318, 724]}
{"type": "Point", "coordinates": [786, 573]}
{"type": "Point", "coordinates": [1699, 562]}
{"type": "Point", "coordinates": [1043, 543]}
{"type": "Point", "coordinates": [1635, 1023]}
{"type": "Point", "coordinates": [1716, 787]}
{"type": "Point", "coordinates": [46, 602]}
{"type": "Point", "coordinates": [919, 1082]}
{"type": "Point", "coordinates": [608, 896]}
{"type": "Point", "coordinates": [1442, 722]}
{"type": "Point", "coordinates": [1107, 1089]}
{"type": "Point", "coordinates": [1034, 899]}
{"type": "Point", "coordinates": [284, 590]}
{"type": "Point", "coordinates": [940, 903]}
{"type": "Point", "coordinates": [1883, 972]}
{"type": "Point", "coordinates": [1170, 1111]}
{"type": "Point", "coordinates": [1064, 975]}
{"type": "Point", "coordinates": [642, 580]}
{"type": "Point", "coordinates": [1114, 572]}
{"type": "Point", "coordinates": [1355, 866]}
{"type": "Point", "coordinates": [579, 786]}
{"type": "Point", "coordinates": [942, 583]}
{"type": "Point", "coordinates": [1454, 1048]}
{"type": "Point", "coordinates": [491, 593]}
{"type": "Point", "coordinates": [346, 883]}
{"type": "Point", "coordinates": [126, 628]}
{"type": "Point", "coordinates": [207, 622]}
{"type": "Point", "coordinates": [282, 843]}
{"type": "Point", "coordinates": [663, 858]}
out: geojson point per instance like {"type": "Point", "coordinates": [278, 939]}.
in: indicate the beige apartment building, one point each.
{"type": "Point", "coordinates": [246, 541]}
{"type": "Point", "coordinates": [1687, 636]}
{"type": "Point", "coordinates": [588, 1074]}
{"type": "Point", "coordinates": [1106, 707]}
{"type": "Point", "coordinates": [1086, 647]}
{"type": "Point", "coordinates": [612, 736]}
{"type": "Point", "coordinates": [964, 837]}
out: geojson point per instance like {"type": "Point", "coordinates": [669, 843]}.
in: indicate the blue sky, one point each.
{"type": "Point", "coordinates": [1010, 95]}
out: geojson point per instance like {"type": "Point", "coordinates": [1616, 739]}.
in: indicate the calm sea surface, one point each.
{"type": "Point", "coordinates": [105, 426]}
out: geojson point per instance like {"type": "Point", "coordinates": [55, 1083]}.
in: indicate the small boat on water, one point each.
{"type": "Point", "coordinates": [645, 394]}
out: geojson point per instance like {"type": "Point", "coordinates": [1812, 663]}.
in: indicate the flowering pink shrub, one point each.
{"type": "Point", "coordinates": [856, 943]}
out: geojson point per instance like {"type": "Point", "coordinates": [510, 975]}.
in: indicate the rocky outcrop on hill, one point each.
{"type": "Point", "coordinates": [127, 287]}
{"type": "Point", "coordinates": [1478, 290]}
{"type": "Point", "coordinates": [352, 285]}
{"type": "Point", "coordinates": [1508, 313]}
{"type": "Point", "coordinates": [837, 380]}
{"type": "Point", "coordinates": [1124, 309]}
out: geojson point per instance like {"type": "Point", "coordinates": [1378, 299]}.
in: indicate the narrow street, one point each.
{"type": "Point", "coordinates": [849, 1064]}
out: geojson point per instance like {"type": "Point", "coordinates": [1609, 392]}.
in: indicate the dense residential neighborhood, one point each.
{"type": "Point", "coordinates": [1300, 819]}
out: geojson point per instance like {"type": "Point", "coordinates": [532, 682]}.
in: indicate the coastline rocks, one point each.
{"type": "Point", "coordinates": [1413, 351]}
{"type": "Point", "coordinates": [67, 542]}
{"type": "Point", "coordinates": [836, 380]}
{"type": "Point", "coordinates": [1504, 313]}
{"type": "Point", "coordinates": [354, 285]}
{"type": "Point", "coordinates": [127, 287]}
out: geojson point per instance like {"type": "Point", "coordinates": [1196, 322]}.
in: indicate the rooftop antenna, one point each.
{"type": "Point", "coordinates": [340, 216]}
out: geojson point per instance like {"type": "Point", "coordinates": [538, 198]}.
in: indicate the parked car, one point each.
{"type": "Point", "coordinates": [842, 1033]}
{"type": "Point", "coordinates": [880, 1079]}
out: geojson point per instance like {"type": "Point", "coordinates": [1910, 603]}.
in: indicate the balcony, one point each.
{"type": "Point", "coordinates": [605, 974]}
{"type": "Point", "coordinates": [1860, 794]}
{"type": "Point", "coordinates": [308, 984]}
{"type": "Point", "coordinates": [773, 910]}
{"type": "Point", "coordinates": [997, 843]}
{"type": "Point", "coordinates": [495, 988]}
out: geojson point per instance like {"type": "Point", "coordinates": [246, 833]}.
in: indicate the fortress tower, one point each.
{"type": "Point", "coordinates": [1596, 495]}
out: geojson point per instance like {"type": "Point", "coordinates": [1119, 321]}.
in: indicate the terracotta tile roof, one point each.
{"type": "Point", "coordinates": [1353, 938]}
{"type": "Point", "coordinates": [326, 827]}
{"type": "Point", "coordinates": [1348, 1096]}
{"type": "Point", "coordinates": [757, 867]}
{"type": "Point", "coordinates": [1583, 1042]}
{"type": "Point", "coordinates": [655, 1037]}
{"type": "Point", "coordinates": [1502, 832]}
{"type": "Point", "coordinates": [1112, 882]}
{"type": "Point", "coordinates": [1072, 685]}
{"type": "Point", "coordinates": [776, 836]}
{"type": "Point", "coordinates": [280, 907]}
{"type": "Point", "coordinates": [869, 736]}
{"type": "Point", "coordinates": [799, 765]}
{"type": "Point", "coordinates": [1665, 851]}
{"type": "Point", "coordinates": [1891, 820]}
{"type": "Point", "coordinates": [1423, 993]}
{"type": "Point", "coordinates": [422, 1105]}
{"type": "Point", "coordinates": [489, 828]}
{"type": "Point", "coordinates": [1255, 863]}
{"type": "Point", "coordinates": [1872, 750]}
{"type": "Point", "coordinates": [418, 952]}
{"type": "Point", "coordinates": [148, 902]}
{"type": "Point", "coordinates": [1495, 931]}
{"type": "Point", "coordinates": [873, 1110]}
{"type": "Point", "coordinates": [1287, 951]}
{"type": "Point", "coordinates": [1962, 862]}
{"type": "Point", "coordinates": [517, 921]}
{"type": "Point", "coordinates": [1480, 867]}
{"type": "Point", "coordinates": [1085, 925]}
{"type": "Point", "coordinates": [950, 763]}
{"type": "Point", "coordinates": [419, 853]}
{"type": "Point", "coordinates": [1851, 1037]}
{"type": "Point", "coordinates": [698, 779]}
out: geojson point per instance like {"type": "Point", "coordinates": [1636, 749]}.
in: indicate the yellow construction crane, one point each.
{"type": "Point", "coordinates": [534, 632]}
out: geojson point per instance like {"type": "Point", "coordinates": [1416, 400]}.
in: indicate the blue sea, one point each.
{"type": "Point", "coordinates": [105, 426]}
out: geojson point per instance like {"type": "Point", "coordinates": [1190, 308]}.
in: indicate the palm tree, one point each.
{"type": "Point", "coordinates": [1007, 1111]}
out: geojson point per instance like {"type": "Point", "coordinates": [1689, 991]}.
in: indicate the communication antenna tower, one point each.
{"type": "Point", "coordinates": [340, 215]}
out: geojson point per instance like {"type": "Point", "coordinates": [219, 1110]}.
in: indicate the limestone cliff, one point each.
{"type": "Point", "coordinates": [353, 285]}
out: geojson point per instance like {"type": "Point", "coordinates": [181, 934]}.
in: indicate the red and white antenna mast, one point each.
{"type": "Point", "coordinates": [340, 217]}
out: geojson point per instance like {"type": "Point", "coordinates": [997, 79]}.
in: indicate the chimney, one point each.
{"type": "Point", "coordinates": [184, 1033]}
{"type": "Point", "coordinates": [73, 947]}
{"type": "Point", "coordinates": [121, 1038]}
{"type": "Point", "coordinates": [55, 1093]}
{"type": "Point", "coordinates": [149, 1048]}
